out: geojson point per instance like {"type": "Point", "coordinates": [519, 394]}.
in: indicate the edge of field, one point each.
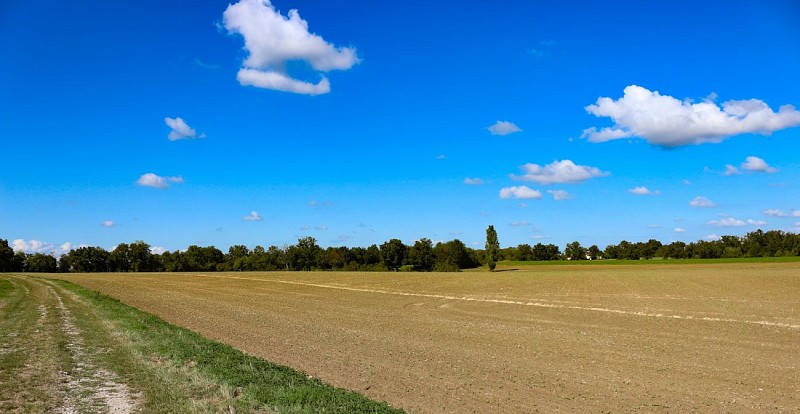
{"type": "Point", "coordinates": [504, 265]}
{"type": "Point", "coordinates": [253, 385]}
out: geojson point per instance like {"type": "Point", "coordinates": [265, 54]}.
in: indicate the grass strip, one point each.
{"type": "Point", "coordinates": [254, 383]}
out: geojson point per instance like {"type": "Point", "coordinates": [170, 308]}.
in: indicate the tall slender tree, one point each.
{"type": "Point", "coordinates": [492, 248]}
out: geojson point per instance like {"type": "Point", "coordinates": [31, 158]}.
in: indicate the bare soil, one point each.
{"type": "Point", "coordinates": [665, 338]}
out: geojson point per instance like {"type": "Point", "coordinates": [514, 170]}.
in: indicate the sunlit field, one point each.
{"type": "Point", "coordinates": [704, 337]}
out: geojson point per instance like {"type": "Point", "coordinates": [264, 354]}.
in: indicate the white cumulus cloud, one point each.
{"type": "Point", "coordinates": [756, 164]}
{"type": "Point", "coordinates": [726, 222]}
{"type": "Point", "coordinates": [701, 201]}
{"type": "Point", "coordinates": [179, 129]}
{"type": "Point", "coordinates": [641, 190]}
{"type": "Point", "coordinates": [157, 181]}
{"type": "Point", "coordinates": [753, 222]}
{"type": "Point", "coordinates": [253, 216]}
{"type": "Point", "coordinates": [521, 192]}
{"type": "Point", "coordinates": [503, 128]}
{"type": "Point", "coordinates": [272, 40]}
{"type": "Point", "coordinates": [668, 122]}
{"type": "Point", "coordinates": [38, 246]}
{"type": "Point", "coordinates": [473, 181]}
{"type": "Point", "coordinates": [680, 230]}
{"type": "Point", "coordinates": [558, 172]}
{"type": "Point", "coordinates": [559, 195]}
{"type": "Point", "coordinates": [107, 223]}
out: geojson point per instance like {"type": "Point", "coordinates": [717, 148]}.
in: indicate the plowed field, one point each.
{"type": "Point", "coordinates": [661, 338]}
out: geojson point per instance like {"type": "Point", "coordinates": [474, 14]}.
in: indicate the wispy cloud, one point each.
{"type": "Point", "coordinates": [521, 192]}
{"type": "Point", "coordinates": [272, 40]}
{"type": "Point", "coordinates": [473, 181]}
{"type": "Point", "coordinates": [253, 216]}
{"type": "Point", "coordinates": [780, 213]}
{"type": "Point", "coordinates": [726, 222]}
{"type": "Point", "coordinates": [559, 195]}
{"type": "Point", "coordinates": [503, 128]}
{"type": "Point", "coordinates": [680, 230]}
{"type": "Point", "coordinates": [558, 172]}
{"type": "Point", "coordinates": [668, 122]}
{"type": "Point", "coordinates": [108, 223]}
{"type": "Point", "coordinates": [702, 202]}
{"type": "Point", "coordinates": [157, 181]}
{"type": "Point", "coordinates": [520, 224]}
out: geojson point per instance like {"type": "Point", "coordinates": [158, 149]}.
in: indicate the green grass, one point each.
{"type": "Point", "coordinates": [654, 261]}
{"type": "Point", "coordinates": [246, 382]}
{"type": "Point", "coordinates": [5, 288]}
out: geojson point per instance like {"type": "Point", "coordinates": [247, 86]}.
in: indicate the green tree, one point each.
{"type": "Point", "coordinates": [393, 253]}
{"type": "Point", "coordinates": [304, 255]}
{"type": "Point", "coordinates": [6, 256]}
{"type": "Point", "coordinates": [420, 255]}
{"type": "Point", "coordinates": [574, 251]}
{"type": "Point", "coordinates": [43, 263]}
{"type": "Point", "coordinates": [492, 248]}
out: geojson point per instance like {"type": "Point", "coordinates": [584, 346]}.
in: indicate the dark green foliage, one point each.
{"type": "Point", "coordinates": [43, 263]}
{"type": "Point", "coordinates": [492, 248]}
{"type": "Point", "coordinates": [420, 255]}
{"type": "Point", "coordinates": [393, 253]}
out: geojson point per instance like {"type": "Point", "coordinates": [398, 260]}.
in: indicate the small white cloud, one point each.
{"type": "Point", "coordinates": [712, 237]}
{"type": "Point", "coordinates": [642, 191]}
{"type": "Point", "coordinates": [680, 230]}
{"type": "Point", "coordinates": [559, 195]}
{"type": "Point", "coordinates": [108, 223]}
{"type": "Point", "coordinates": [726, 222]}
{"type": "Point", "coordinates": [179, 129]}
{"type": "Point", "coordinates": [319, 204]}
{"type": "Point", "coordinates": [305, 227]}
{"type": "Point", "coordinates": [702, 202]}
{"type": "Point", "coordinates": [521, 192]}
{"type": "Point", "coordinates": [558, 172]}
{"type": "Point", "coordinates": [503, 128]}
{"type": "Point", "coordinates": [665, 121]}
{"type": "Point", "coordinates": [520, 224]}
{"type": "Point", "coordinates": [753, 222]}
{"type": "Point", "coordinates": [253, 216]}
{"type": "Point", "coordinates": [756, 164]}
{"type": "Point", "coordinates": [473, 181]}
{"type": "Point", "coordinates": [321, 227]}
{"type": "Point", "coordinates": [686, 182]}
{"type": "Point", "coordinates": [731, 170]}
{"type": "Point", "coordinates": [441, 157]}
{"type": "Point", "coordinates": [156, 181]}
{"type": "Point", "coordinates": [273, 40]}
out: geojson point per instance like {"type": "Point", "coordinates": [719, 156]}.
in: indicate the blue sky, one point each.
{"type": "Point", "coordinates": [212, 123]}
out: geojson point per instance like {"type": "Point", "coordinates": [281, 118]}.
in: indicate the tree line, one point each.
{"type": "Point", "coordinates": [393, 255]}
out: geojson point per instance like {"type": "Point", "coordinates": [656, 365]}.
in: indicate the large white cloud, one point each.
{"type": "Point", "coordinates": [272, 40]}
{"type": "Point", "coordinates": [558, 172]}
{"type": "Point", "coordinates": [665, 121]}
{"type": "Point", "coordinates": [521, 192]}
{"type": "Point", "coordinates": [157, 181]}
{"type": "Point", "coordinates": [780, 213]}
{"type": "Point", "coordinates": [503, 128]}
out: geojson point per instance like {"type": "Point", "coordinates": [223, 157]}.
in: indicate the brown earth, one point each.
{"type": "Point", "coordinates": [662, 338]}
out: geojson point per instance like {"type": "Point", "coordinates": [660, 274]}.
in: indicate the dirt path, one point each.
{"type": "Point", "coordinates": [46, 361]}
